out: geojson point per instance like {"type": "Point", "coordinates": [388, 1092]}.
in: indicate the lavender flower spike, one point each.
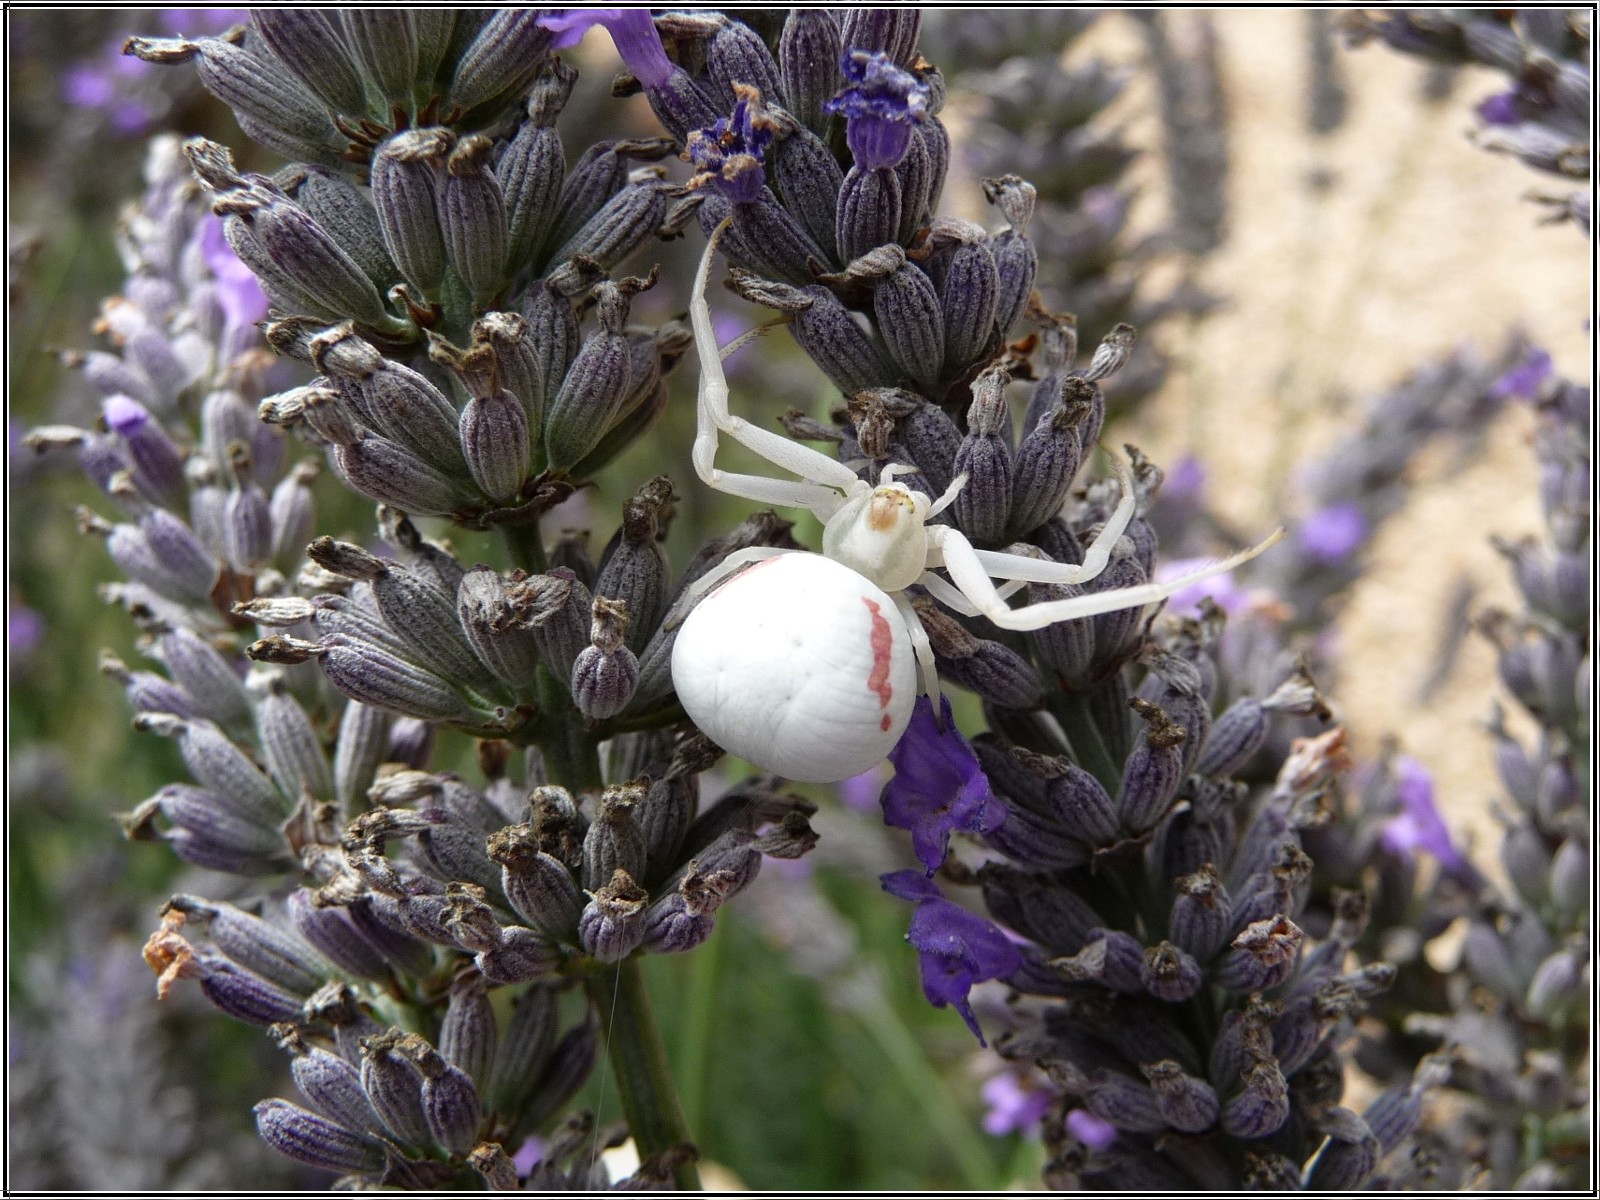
{"type": "Point", "coordinates": [955, 948]}
{"type": "Point", "coordinates": [880, 103]}
{"type": "Point", "coordinates": [938, 786]}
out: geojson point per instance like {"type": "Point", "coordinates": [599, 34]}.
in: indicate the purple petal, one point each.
{"type": "Point", "coordinates": [910, 885]}
{"type": "Point", "coordinates": [243, 302]}
{"type": "Point", "coordinates": [938, 786]}
{"type": "Point", "coordinates": [1223, 590]}
{"type": "Point", "coordinates": [1333, 533]}
{"type": "Point", "coordinates": [1523, 381]}
{"type": "Point", "coordinates": [1016, 1104]}
{"type": "Point", "coordinates": [1499, 109]}
{"type": "Point", "coordinates": [1094, 1132]}
{"type": "Point", "coordinates": [87, 86]}
{"type": "Point", "coordinates": [632, 30]}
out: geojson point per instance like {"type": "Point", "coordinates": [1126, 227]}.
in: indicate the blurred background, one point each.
{"type": "Point", "coordinates": [1328, 207]}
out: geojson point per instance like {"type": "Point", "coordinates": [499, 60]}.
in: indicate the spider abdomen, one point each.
{"type": "Point", "coordinates": [800, 665]}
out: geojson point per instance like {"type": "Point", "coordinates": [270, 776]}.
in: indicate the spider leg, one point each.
{"type": "Point", "coordinates": [821, 478]}
{"type": "Point", "coordinates": [949, 496]}
{"type": "Point", "coordinates": [970, 575]}
{"type": "Point", "coordinates": [921, 647]}
{"type": "Point", "coordinates": [739, 559]}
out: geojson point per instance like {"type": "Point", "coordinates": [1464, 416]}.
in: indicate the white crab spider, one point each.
{"type": "Point", "coordinates": [803, 664]}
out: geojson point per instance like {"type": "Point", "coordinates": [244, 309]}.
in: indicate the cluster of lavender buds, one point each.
{"type": "Point", "coordinates": [1180, 899]}
{"type": "Point", "coordinates": [1193, 1032]}
{"type": "Point", "coordinates": [329, 87]}
{"type": "Point", "coordinates": [1518, 1021]}
{"type": "Point", "coordinates": [1543, 120]}
{"type": "Point", "coordinates": [1044, 119]}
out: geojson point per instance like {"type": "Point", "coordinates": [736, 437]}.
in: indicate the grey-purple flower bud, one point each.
{"type": "Point", "coordinates": [1188, 1104]}
{"type": "Point", "coordinates": [405, 184]}
{"type": "Point", "coordinates": [316, 1141]}
{"type": "Point", "coordinates": [613, 922]}
{"type": "Point", "coordinates": [394, 1086]}
{"type": "Point", "coordinates": [472, 216]}
{"type": "Point", "coordinates": [1153, 771]}
{"type": "Point", "coordinates": [1171, 973]}
{"type": "Point", "coordinates": [1261, 957]}
{"type": "Point", "coordinates": [495, 442]}
{"type": "Point", "coordinates": [521, 955]}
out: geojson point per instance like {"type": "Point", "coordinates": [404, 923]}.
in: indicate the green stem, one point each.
{"type": "Point", "coordinates": [694, 1042]}
{"type": "Point", "coordinates": [1088, 744]}
{"type": "Point", "coordinates": [639, 1064]}
{"type": "Point", "coordinates": [525, 546]}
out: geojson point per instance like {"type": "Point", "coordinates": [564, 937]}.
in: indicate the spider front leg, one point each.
{"type": "Point", "coordinates": [971, 576]}
{"type": "Point", "coordinates": [921, 647]}
{"type": "Point", "coordinates": [822, 479]}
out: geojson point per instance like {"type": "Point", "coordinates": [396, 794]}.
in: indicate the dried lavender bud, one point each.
{"type": "Point", "coordinates": [219, 765]}
{"type": "Point", "coordinates": [406, 173]}
{"type": "Point", "coordinates": [216, 827]}
{"type": "Point", "coordinates": [205, 675]}
{"type": "Point", "coordinates": [310, 1139]}
{"type": "Point", "coordinates": [626, 222]}
{"type": "Point", "coordinates": [613, 922]}
{"type": "Point", "coordinates": [373, 676]}
{"type": "Point", "coordinates": [1570, 878]}
{"type": "Point", "coordinates": [912, 325]}
{"type": "Point", "coordinates": [1558, 985]}
{"type": "Point", "coordinates": [1263, 1106]}
{"type": "Point", "coordinates": [614, 842]}
{"type": "Point", "coordinates": [606, 673]}
{"type": "Point", "coordinates": [530, 1037]}
{"type": "Point", "coordinates": [1082, 806]}
{"type": "Point", "coordinates": [1154, 770]}
{"type": "Point", "coordinates": [307, 42]}
{"type": "Point", "coordinates": [243, 994]}
{"type": "Point", "coordinates": [391, 474]}
{"type": "Point", "coordinates": [634, 570]}
{"type": "Point", "coordinates": [495, 443]}
{"type": "Point", "coordinates": [808, 64]}
{"type": "Point", "coordinates": [256, 945]}
{"type": "Point", "coordinates": [502, 59]}
{"type": "Point", "coordinates": [1188, 1104]}
{"type": "Point", "coordinates": [521, 955]}
{"type": "Point", "coordinates": [1171, 974]}
{"type": "Point", "coordinates": [1014, 255]}
{"type": "Point", "coordinates": [892, 31]}
{"type": "Point", "coordinates": [1128, 1104]}
{"type": "Point", "coordinates": [288, 741]}
{"type": "Point", "coordinates": [870, 211]}
{"type": "Point", "coordinates": [383, 43]}
{"type": "Point", "coordinates": [468, 1034]}
{"type": "Point", "coordinates": [450, 1103]}
{"type": "Point", "coordinates": [1058, 919]}
{"type": "Point", "coordinates": [472, 216]}
{"type": "Point", "coordinates": [983, 506]}
{"type": "Point", "coordinates": [335, 935]}
{"type": "Point", "coordinates": [394, 1086]}
{"type": "Point", "coordinates": [271, 105]}
{"type": "Point", "coordinates": [148, 692]}
{"type": "Point", "coordinates": [1261, 957]}
{"type": "Point", "coordinates": [307, 255]}
{"type": "Point", "coordinates": [806, 177]}
{"type": "Point", "coordinates": [539, 886]}
{"type": "Point", "coordinates": [488, 619]}
{"type": "Point", "coordinates": [1349, 1156]}
{"type": "Point", "coordinates": [1201, 917]}
{"type": "Point", "coordinates": [559, 610]}
{"type": "Point", "coordinates": [595, 387]}
{"type": "Point", "coordinates": [331, 1084]}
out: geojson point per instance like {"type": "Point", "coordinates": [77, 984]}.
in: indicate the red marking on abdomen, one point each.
{"type": "Point", "coordinates": [885, 723]}
{"type": "Point", "coordinates": [882, 645]}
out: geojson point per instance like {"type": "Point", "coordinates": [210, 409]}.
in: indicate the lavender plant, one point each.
{"type": "Point", "coordinates": [1543, 120]}
{"type": "Point", "coordinates": [1046, 119]}
{"type": "Point", "coordinates": [443, 961]}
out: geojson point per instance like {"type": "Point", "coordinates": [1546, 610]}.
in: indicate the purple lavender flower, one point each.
{"type": "Point", "coordinates": [729, 155]}
{"type": "Point", "coordinates": [529, 1155]}
{"type": "Point", "coordinates": [24, 631]}
{"type": "Point", "coordinates": [96, 86]}
{"type": "Point", "coordinates": [880, 103]}
{"type": "Point", "coordinates": [861, 792]}
{"type": "Point", "coordinates": [1223, 590]}
{"type": "Point", "coordinates": [1419, 825]}
{"type": "Point", "coordinates": [1499, 109]}
{"type": "Point", "coordinates": [1016, 1103]}
{"type": "Point", "coordinates": [631, 29]}
{"type": "Point", "coordinates": [956, 949]}
{"type": "Point", "coordinates": [243, 302]}
{"type": "Point", "coordinates": [1332, 534]}
{"type": "Point", "coordinates": [1094, 1132]}
{"type": "Point", "coordinates": [1523, 381]}
{"type": "Point", "coordinates": [938, 786]}
{"type": "Point", "coordinates": [1186, 480]}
